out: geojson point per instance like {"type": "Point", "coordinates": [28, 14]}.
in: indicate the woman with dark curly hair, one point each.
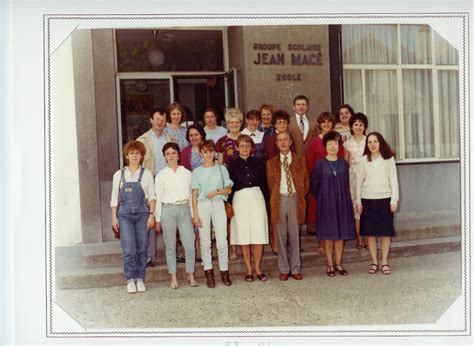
{"type": "Point", "coordinates": [354, 149]}
{"type": "Point", "coordinates": [190, 156]}
{"type": "Point", "coordinates": [377, 197]}
{"type": "Point", "coordinates": [343, 115]}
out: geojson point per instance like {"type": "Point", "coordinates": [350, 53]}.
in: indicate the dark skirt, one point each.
{"type": "Point", "coordinates": [376, 219]}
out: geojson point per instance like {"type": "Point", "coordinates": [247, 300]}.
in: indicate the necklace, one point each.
{"type": "Point", "coordinates": [333, 168]}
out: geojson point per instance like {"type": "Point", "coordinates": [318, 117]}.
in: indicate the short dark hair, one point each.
{"type": "Point", "coordinates": [207, 144]}
{"type": "Point", "coordinates": [326, 116]}
{"type": "Point", "coordinates": [253, 113]}
{"type": "Point", "coordinates": [172, 145]}
{"type": "Point", "coordinates": [134, 145]}
{"type": "Point", "coordinates": [385, 151]}
{"type": "Point", "coordinates": [349, 108]}
{"type": "Point", "coordinates": [300, 97]}
{"type": "Point", "coordinates": [210, 109]}
{"type": "Point", "coordinates": [158, 110]}
{"type": "Point", "coordinates": [331, 136]}
{"type": "Point", "coordinates": [171, 107]}
{"type": "Point", "coordinates": [198, 128]}
{"type": "Point", "coordinates": [359, 117]}
{"type": "Point", "coordinates": [280, 114]}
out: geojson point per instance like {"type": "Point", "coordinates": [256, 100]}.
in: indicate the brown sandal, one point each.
{"type": "Point", "coordinates": [386, 271]}
{"type": "Point", "coordinates": [373, 270]}
{"type": "Point", "coordinates": [341, 271]}
{"type": "Point", "coordinates": [330, 271]}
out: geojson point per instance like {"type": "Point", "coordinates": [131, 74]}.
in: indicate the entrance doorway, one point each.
{"type": "Point", "coordinates": [138, 95]}
{"type": "Point", "coordinates": [196, 93]}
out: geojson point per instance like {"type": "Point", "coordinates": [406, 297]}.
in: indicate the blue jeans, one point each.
{"type": "Point", "coordinates": [134, 242]}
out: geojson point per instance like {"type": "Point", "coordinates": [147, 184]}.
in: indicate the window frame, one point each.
{"type": "Point", "coordinates": [399, 67]}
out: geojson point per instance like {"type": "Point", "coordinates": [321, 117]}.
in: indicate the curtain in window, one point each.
{"type": "Point", "coordinates": [382, 104]}
{"type": "Point", "coordinates": [446, 54]}
{"type": "Point", "coordinates": [415, 44]}
{"type": "Point", "coordinates": [353, 93]}
{"type": "Point", "coordinates": [369, 44]}
{"type": "Point", "coordinates": [418, 114]}
{"type": "Point", "coordinates": [448, 100]}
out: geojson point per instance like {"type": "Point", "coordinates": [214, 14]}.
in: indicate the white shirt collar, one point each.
{"type": "Point", "coordinates": [282, 157]}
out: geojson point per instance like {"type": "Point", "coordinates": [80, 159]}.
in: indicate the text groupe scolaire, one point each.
{"type": "Point", "coordinates": [300, 55]}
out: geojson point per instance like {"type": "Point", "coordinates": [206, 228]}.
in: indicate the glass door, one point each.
{"type": "Point", "coordinates": [196, 93]}
{"type": "Point", "coordinates": [138, 97]}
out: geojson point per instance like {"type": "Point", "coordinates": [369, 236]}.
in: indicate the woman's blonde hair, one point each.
{"type": "Point", "coordinates": [234, 113]}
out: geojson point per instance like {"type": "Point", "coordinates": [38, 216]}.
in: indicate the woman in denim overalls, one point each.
{"type": "Point", "coordinates": [133, 196]}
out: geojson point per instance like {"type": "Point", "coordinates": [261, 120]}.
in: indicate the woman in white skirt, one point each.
{"type": "Point", "coordinates": [249, 226]}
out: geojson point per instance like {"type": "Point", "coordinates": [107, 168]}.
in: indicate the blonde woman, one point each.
{"type": "Point", "coordinates": [226, 146]}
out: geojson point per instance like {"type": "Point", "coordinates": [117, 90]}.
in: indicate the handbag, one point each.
{"type": "Point", "coordinates": [229, 210]}
{"type": "Point", "coordinates": [117, 233]}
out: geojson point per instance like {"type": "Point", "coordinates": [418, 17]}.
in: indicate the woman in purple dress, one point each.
{"type": "Point", "coordinates": [335, 212]}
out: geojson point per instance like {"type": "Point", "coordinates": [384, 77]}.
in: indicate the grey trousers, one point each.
{"type": "Point", "coordinates": [178, 216]}
{"type": "Point", "coordinates": [288, 236]}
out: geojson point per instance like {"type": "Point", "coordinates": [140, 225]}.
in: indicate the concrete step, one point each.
{"type": "Point", "coordinates": [110, 254]}
{"type": "Point", "coordinates": [70, 273]}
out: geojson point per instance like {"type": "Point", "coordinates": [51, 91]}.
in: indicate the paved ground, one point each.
{"type": "Point", "coordinates": [419, 290]}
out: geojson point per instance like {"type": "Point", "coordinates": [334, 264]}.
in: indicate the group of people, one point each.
{"type": "Point", "coordinates": [250, 185]}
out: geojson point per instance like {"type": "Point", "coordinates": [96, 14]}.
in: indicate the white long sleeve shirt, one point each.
{"type": "Point", "coordinates": [172, 187]}
{"type": "Point", "coordinates": [146, 183]}
{"type": "Point", "coordinates": [377, 179]}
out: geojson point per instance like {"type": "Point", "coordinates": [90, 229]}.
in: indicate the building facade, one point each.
{"type": "Point", "coordinates": [105, 82]}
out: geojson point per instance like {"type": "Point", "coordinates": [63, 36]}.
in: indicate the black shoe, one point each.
{"type": "Point", "coordinates": [150, 263]}
{"type": "Point", "coordinates": [180, 259]}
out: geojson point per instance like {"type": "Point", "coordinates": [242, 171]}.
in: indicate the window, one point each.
{"type": "Point", "coordinates": [405, 79]}
{"type": "Point", "coordinates": [169, 50]}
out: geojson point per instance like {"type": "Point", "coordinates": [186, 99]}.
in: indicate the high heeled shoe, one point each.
{"type": "Point", "coordinates": [330, 271]}
{"type": "Point", "coordinates": [341, 271]}
{"type": "Point", "coordinates": [174, 285]}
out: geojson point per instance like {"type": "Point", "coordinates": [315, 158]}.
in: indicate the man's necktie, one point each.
{"type": "Point", "coordinates": [301, 125]}
{"type": "Point", "coordinates": [286, 167]}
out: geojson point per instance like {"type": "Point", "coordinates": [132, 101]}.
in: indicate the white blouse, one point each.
{"type": "Point", "coordinates": [172, 187]}
{"type": "Point", "coordinates": [146, 183]}
{"type": "Point", "coordinates": [256, 136]}
{"type": "Point", "coordinates": [377, 179]}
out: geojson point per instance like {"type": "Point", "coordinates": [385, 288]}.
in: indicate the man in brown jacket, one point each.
{"type": "Point", "coordinates": [288, 183]}
{"type": "Point", "coordinates": [301, 127]}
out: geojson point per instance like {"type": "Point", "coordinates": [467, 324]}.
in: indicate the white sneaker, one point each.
{"type": "Point", "coordinates": [131, 288]}
{"type": "Point", "coordinates": [140, 286]}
